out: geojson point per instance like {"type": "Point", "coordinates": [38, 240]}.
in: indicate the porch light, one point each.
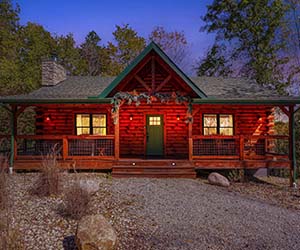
{"type": "Point", "coordinates": [133, 164]}
{"type": "Point", "coordinates": [48, 118]}
{"type": "Point", "coordinates": [130, 117]}
{"type": "Point", "coordinates": [173, 164]}
{"type": "Point", "coordinates": [178, 117]}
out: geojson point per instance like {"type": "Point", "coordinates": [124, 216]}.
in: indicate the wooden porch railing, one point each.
{"type": "Point", "coordinates": [238, 147]}
{"type": "Point", "coordinates": [103, 147]}
{"type": "Point", "coordinates": [66, 147]}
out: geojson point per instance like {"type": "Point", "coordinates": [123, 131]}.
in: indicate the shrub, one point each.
{"type": "Point", "coordinates": [48, 181]}
{"type": "Point", "coordinates": [11, 239]}
{"type": "Point", "coordinates": [3, 182]}
{"type": "Point", "coordinates": [75, 202]}
{"type": "Point", "coordinates": [236, 175]}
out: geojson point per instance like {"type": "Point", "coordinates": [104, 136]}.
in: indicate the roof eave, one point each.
{"type": "Point", "coordinates": [56, 101]}
{"type": "Point", "coordinates": [246, 101]}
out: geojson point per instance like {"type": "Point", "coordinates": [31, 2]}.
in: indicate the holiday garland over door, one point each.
{"type": "Point", "coordinates": [122, 97]}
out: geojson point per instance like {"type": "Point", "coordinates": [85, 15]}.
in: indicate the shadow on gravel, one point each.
{"type": "Point", "coordinates": [69, 243]}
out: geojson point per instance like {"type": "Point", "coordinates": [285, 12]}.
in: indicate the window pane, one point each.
{"type": "Point", "coordinates": [83, 131]}
{"type": "Point", "coordinates": [210, 131]}
{"type": "Point", "coordinates": [226, 131]}
{"type": "Point", "coordinates": [99, 120]}
{"type": "Point", "coordinates": [210, 120]}
{"type": "Point", "coordinates": [83, 120]}
{"type": "Point", "coordinates": [226, 121]}
{"type": "Point", "coordinates": [154, 120]}
{"type": "Point", "coordinates": [99, 131]}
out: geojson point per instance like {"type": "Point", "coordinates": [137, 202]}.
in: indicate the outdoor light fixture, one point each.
{"type": "Point", "coordinates": [133, 164]}
{"type": "Point", "coordinates": [48, 118]}
{"type": "Point", "coordinates": [173, 164]}
{"type": "Point", "coordinates": [130, 117]}
{"type": "Point", "coordinates": [178, 117]}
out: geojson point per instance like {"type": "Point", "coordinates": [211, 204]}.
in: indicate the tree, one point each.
{"type": "Point", "coordinates": [127, 46]}
{"type": "Point", "coordinates": [215, 63]}
{"type": "Point", "coordinates": [90, 53]}
{"type": "Point", "coordinates": [254, 31]}
{"type": "Point", "coordinates": [36, 44]}
{"type": "Point", "coordinates": [174, 43]}
{"type": "Point", "coordinates": [69, 55]}
{"type": "Point", "coordinates": [9, 44]}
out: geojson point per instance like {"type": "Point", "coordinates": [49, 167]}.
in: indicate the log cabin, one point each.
{"type": "Point", "coordinates": [151, 120]}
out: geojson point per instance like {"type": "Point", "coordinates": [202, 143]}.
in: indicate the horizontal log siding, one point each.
{"type": "Point", "coordinates": [62, 120]}
{"type": "Point", "coordinates": [133, 132]}
{"type": "Point", "coordinates": [248, 120]}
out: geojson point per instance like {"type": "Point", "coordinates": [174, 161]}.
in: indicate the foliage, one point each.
{"type": "Point", "coordinates": [174, 44]}
{"type": "Point", "coordinates": [236, 175]}
{"type": "Point", "coordinates": [9, 44]}
{"type": "Point", "coordinates": [130, 97]}
{"type": "Point", "coordinates": [255, 31]}
{"type": "Point", "coordinates": [11, 239]}
{"type": "Point", "coordinates": [282, 128]}
{"type": "Point", "coordinates": [127, 46]}
{"type": "Point", "coordinates": [90, 53]}
{"type": "Point", "coordinates": [76, 200]}
{"type": "Point", "coordinates": [3, 182]}
{"type": "Point", "coordinates": [215, 63]}
{"type": "Point", "coordinates": [48, 182]}
{"type": "Point", "coordinates": [36, 44]}
{"type": "Point", "coordinates": [69, 55]}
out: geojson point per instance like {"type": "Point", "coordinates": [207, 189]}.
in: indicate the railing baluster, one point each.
{"type": "Point", "coordinates": [242, 147]}
{"type": "Point", "coordinates": [65, 148]}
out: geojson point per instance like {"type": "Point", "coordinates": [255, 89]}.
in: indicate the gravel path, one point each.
{"type": "Point", "coordinates": [159, 214]}
{"type": "Point", "coordinates": [188, 214]}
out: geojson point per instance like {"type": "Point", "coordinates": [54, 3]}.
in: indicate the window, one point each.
{"type": "Point", "coordinates": [214, 124]}
{"type": "Point", "coordinates": [90, 124]}
{"type": "Point", "coordinates": [154, 120]}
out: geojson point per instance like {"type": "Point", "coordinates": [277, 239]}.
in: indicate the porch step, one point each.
{"type": "Point", "coordinates": [154, 171]}
{"type": "Point", "coordinates": [152, 162]}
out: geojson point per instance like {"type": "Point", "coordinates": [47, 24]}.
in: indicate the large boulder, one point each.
{"type": "Point", "coordinates": [218, 179]}
{"type": "Point", "coordinates": [95, 233]}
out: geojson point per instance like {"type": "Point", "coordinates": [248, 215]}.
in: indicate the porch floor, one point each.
{"type": "Point", "coordinates": [138, 167]}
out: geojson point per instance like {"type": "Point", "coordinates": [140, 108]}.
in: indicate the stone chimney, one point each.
{"type": "Point", "coordinates": [52, 72]}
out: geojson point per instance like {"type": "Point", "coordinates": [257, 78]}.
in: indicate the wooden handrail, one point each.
{"type": "Point", "coordinates": [284, 137]}
{"type": "Point", "coordinates": [60, 137]}
{"type": "Point", "coordinates": [214, 137]}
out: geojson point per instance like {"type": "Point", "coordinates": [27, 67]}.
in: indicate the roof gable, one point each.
{"type": "Point", "coordinates": [140, 59]}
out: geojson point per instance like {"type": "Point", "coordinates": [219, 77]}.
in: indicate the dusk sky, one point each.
{"type": "Point", "coordinates": [79, 17]}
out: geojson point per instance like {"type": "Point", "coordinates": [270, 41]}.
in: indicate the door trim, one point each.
{"type": "Point", "coordinates": [164, 131]}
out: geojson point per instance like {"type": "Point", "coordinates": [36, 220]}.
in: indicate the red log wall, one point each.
{"type": "Point", "coordinates": [248, 120]}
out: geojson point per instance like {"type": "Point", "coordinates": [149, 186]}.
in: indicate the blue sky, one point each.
{"type": "Point", "coordinates": [79, 17]}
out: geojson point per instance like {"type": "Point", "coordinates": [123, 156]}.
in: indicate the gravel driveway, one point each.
{"type": "Point", "coordinates": [188, 214]}
{"type": "Point", "coordinates": [159, 214]}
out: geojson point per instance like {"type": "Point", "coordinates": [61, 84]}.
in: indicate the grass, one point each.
{"type": "Point", "coordinates": [48, 180]}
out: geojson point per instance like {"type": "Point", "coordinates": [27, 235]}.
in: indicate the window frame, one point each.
{"type": "Point", "coordinates": [218, 124]}
{"type": "Point", "coordinates": [91, 127]}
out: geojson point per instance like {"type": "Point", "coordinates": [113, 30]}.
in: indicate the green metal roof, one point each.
{"type": "Point", "coordinates": [138, 59]}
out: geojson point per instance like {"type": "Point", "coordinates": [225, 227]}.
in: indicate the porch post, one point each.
{"type": "Point", "coordinates": [190, 141]}
{"type": "Point", "coordinates": [117, 137]}
{"type": "Point", "coordinates": [292, 146]}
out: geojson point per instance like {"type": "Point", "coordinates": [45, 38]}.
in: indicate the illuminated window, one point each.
{"type": "Point", "coordinates": [217, 124]}
{"type": "Point", "coordinates": [154, 121]}
{"type": "Point", "coordinates": [90, 124]}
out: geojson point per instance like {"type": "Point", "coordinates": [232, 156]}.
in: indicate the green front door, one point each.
{"type": "Point", "coordinates": [155, 135]}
